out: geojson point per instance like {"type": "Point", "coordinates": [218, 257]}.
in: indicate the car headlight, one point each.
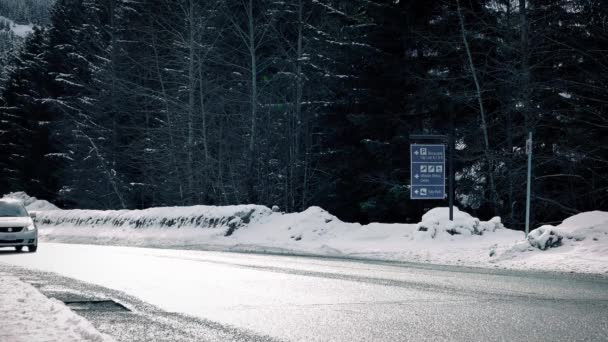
{"type": "Point", "coordinates": [31, 227]}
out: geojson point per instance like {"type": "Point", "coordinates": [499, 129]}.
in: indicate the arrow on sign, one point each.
{"type": "Point", "coordinates": [416, 192]}
{"type": "Point", "coordinates": [416, 176]}
{"type": "Point", "coordinates": [416, 153]}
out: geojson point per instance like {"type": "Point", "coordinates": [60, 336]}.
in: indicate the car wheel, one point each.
{"type": "Point", "coordinates": [18, 248]}
{"type": "Point", "coordinates": [32, 248]}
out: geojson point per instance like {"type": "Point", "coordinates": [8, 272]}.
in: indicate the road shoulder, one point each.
{"type": "Point", "coordinates": [112, 314]}
{"type": "Point", "coordinates": [28, 315]}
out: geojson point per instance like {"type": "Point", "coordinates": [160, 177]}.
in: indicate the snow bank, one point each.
{"type": "Point", "coordinates": [28, 315]}
{"type": "Point", "coordinates": [592, 224]}
{"type": "Point", "coordinates": [31, 203]}
{"type": "Point", "coordinates": [227, 218]}
{"type": "Point", "coordinates": [587, 226]}
{"type": "Point", "coordinates": [468, 241]}
{"type": "Point", "coordinates": [315, 231]}
{"type": "Point", "coordinates": [578, 244]}
{"type": "Point", "coordinates": [437, 221]}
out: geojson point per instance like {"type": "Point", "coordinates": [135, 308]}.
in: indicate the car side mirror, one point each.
{"type": "Point", "coordinates": [33, 215]}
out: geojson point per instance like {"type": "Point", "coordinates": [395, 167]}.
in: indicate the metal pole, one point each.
{"type": "Point", "coordinates": [528, 190]}
{"type": "Point", "coordinates": [451, 166]}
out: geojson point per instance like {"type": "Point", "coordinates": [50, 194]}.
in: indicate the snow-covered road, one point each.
{"type": "Point", "coordinates": [315, 299]}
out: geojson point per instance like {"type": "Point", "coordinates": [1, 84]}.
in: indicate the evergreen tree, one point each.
{"type": "Point", "coordinates": [28, 161]}
{"type": "Point", "coordinates": [176, 102]}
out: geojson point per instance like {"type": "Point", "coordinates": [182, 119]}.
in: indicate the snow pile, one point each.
{"type": "Point", "coordinates": [19, 30]}
{"type": "Point", "coordinates": [312, 226]}
{"type": "Point", "coordinates": [260, 229]}
{"type": "Point", "coordinates": [591, 225]}
{"type": "Point", "coordinates": [578, 244]}
{"type": "Point", "coordinates": [242, 227]}
{"type": "Point", "coordinates": [227, 218]}
{"type": "Point", "coordinates": [31, 203]}
{"type": "Point", "coordinates": [28, 315]}
{"type": "Point", "coordinates": [317, 231]}
{"type": "Point", "coordinates": [436, 221]}
{"type": "Point", "coordinates": [545, 237]}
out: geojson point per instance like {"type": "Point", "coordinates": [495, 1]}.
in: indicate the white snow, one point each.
{"type": "Point", "coordinates": [31, 203]}
{"type": "Point", "coordinates": [194, 217]}
{"type": "Point", "coordinates": [19, 30]}
{"type": "Point", "coordinates": [436, 221]}
{"type": "Point", "coordinates": [27, 315]}
{"type": "Point", "coordinates": [582, 246]}
{"type": "Point", "coordinates": [545, 237]}
{"type": "Point", "coordinates": [466, 241]}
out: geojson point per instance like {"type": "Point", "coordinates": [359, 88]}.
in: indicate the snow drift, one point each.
{"type": "Point", "coordinates": [259, 229]}
{"type": "Point", "coordinates": [229, 218]}
{"type": "Point", "coordinates": [436, 221]}
{"type": "Point", "coordinates": [587, 226]}
{"type": "Point", "coordinates": [579, 244]}
{"type": "Point", "coordinates": [31, 203]}
{"type": "Point", "coordinates": [28, 315]}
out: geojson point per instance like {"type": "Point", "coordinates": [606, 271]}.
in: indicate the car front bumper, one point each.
{"type": "Point", "coordinates": [24, 238]}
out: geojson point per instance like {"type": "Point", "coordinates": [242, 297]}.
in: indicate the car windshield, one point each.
{"type": "Point", "coordinates": [12, 210]}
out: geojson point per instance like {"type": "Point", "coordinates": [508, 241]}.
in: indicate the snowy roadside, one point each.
{"type": "Point", "coordinates": [579, 244]}
{"type": "Point", "coordinates": [467, 242]}
{"type": "Point", "coordinates": [28, 315]}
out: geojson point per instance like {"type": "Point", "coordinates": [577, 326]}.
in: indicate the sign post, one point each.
{"type": "Point", "coordinates": [528, 189]}
{"type": "Point", "coordinates": [452, 152]}
{"type": "Point", "coordinates": [427, 176]}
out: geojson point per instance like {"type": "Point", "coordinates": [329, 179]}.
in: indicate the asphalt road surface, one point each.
{"type": "Point", "coordinates": [181, 295]}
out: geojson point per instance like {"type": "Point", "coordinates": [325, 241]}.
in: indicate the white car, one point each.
{"type": "Point", "coordinates": [17, 228]}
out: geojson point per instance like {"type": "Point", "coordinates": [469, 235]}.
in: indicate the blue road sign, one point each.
{"type": "Point", "coordinates": [427, 171]}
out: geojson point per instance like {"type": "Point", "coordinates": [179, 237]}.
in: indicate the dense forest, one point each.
{"type": "Point", "coordinates": [139, 103]}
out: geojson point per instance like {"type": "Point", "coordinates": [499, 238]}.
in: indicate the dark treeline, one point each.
{"type": "Point", "coordinates": [132, 104]}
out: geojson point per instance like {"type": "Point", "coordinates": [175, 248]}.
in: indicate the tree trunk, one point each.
{"type": "Point", "coordinates": [254, 101]}
{"type": "Point", "coordinates": [191, 104]}
{"type": "Point", "coordinates": [170, 128]}
{"type": "Point", "coordinates": [482, 113]}
{"type": "Point", "coordinates": [298, 111]}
